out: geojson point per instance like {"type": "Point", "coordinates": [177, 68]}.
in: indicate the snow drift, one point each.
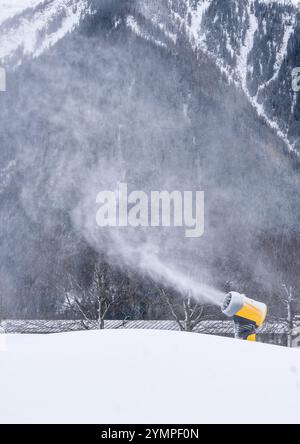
{"type": "Point", "coordinates": [146, 377]}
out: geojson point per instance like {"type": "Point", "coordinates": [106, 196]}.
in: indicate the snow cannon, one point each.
{"type": "Point", "coordinates": [247, 314]}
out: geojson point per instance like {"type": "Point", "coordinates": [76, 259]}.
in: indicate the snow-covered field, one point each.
{"type": "Point", "coordinates": [2, 342]}
{"type": "Point", "coordinates": [146, 377]}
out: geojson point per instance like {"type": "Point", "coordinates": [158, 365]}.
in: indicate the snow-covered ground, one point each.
{"type": "Point", "coordinates": [2, 342]}
{"type": "Point", "coordinates": [146, 377]}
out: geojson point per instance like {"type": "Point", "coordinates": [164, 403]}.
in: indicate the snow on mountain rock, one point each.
{"type": "Point", "coordinates": [40, 26]}
{"type": "Point", "coordinates": [10, 8]}
{"type": "Point", "coordinates": [146, 377]}
{"type": "Point", "coordinates": [195, 16]}
{"type": "Point", "coordinates": [250, 41]}
{"type": "Point", "coordinates": [246, 48]}
{"type": "Point", "coordinates": [134, 26]}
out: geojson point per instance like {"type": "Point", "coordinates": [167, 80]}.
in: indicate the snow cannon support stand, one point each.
{"type": "Point", "coordinates": [247, 314]}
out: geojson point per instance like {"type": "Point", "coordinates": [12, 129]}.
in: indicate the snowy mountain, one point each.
{"type": "Point", "coordinates": [164, 95]}
{"type": "Point", "coordinates": [253, 42]}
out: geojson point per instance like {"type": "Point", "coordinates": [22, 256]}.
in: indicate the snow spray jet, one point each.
{"type": "Point", "coordinates": [142, 254]}
{"type": "Point", "coordinates": [145, 257]}
{"type": "Point", "coordinates": [248, 314]}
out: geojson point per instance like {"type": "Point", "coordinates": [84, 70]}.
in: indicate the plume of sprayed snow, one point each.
{"type": "Point", "coordinates": [147, 260]}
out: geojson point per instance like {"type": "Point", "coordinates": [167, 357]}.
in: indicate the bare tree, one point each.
{"type": "Point", "coordinates": [93, 304]}
{"type": "Point", "coordinates": [188, 314]}
{"type": "Point", "coordinates": [288, 300]}
{"type": "Point", "coordinates": [288, 318]}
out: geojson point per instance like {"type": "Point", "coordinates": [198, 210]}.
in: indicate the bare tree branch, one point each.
{"type": "Point", "coordinates": [94, 303]}
{"type": "Point", "coordinates": [191, 311]}
{"type": "Point", "coordinates": [168, 301]}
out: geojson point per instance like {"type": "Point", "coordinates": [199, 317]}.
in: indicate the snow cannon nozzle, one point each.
{"type": "Point", "coordinates": [248, 314]}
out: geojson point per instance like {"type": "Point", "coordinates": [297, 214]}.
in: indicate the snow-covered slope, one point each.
{"type": "Point", "coordinates": [10, 8]}
{"type": "Point", "coordinates": [147, 377]}
{"type": "Point", "coordinates": [29, 27]}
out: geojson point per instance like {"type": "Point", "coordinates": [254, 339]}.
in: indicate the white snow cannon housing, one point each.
{"type": "Point", "coordinates": [248, 314]}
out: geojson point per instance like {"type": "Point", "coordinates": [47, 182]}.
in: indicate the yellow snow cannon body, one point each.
{"type": "Point", "coordinates": [248, 315]}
